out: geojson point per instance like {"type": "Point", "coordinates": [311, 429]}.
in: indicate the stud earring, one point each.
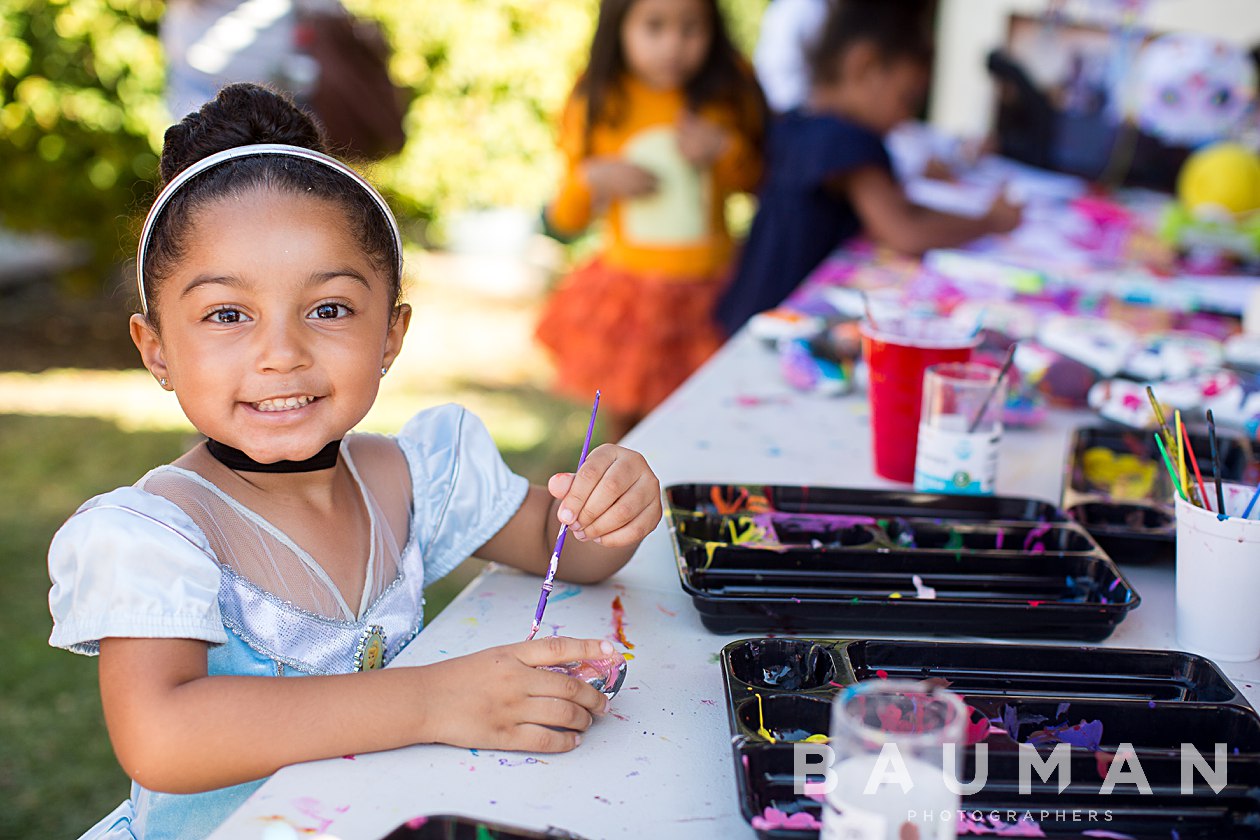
{"type": "Point", "coordinates": [384, 370]}
{"type": "Point", "coordinates": [162, 381]}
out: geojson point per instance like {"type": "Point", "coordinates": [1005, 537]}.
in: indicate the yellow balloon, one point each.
{"type": "Point", "coordinates": [1223, 175]}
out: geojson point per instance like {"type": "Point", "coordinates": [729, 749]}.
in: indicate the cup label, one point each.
{"type": "Point", "coordinates": [956, 462]}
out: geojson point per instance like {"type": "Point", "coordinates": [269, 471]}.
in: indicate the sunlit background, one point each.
{"type": "Point", "coordinates": [81, 121]}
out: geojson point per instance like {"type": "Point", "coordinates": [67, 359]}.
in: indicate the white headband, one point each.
{"type": "Point", "coordinates": [280, 149]}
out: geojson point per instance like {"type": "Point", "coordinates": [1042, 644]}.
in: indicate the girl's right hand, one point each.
{"type": "Point", "coordinates": [1003, 215]}
{"type": "Point", "coordinates": [611, 178]}
{"type": "Point", "coordinates": [499, 699]}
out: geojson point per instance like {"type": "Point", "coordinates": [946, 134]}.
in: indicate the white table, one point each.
{"type": "Point", "coordinates": [661, 766]}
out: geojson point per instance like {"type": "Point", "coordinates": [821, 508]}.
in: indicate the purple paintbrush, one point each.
{"type": "Point", "coordinates": [549, 581]}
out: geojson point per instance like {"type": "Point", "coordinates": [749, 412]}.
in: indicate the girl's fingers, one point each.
{"type": "Point", "coordinates": [530, 737]}
{"type": "Point", "coordinates": [557, 650]}
{"type": "Point", "coordinates": [584, 482]}
{"type": "Point", "coordinates": [634, 531]}
{"type": "Point", "coordinates": [643, 495]}
{"type": "Point", "coordinates": [558, 485]}
{"type": "Point", "coordinates": [615, 483]}
{"type": "Point", "coordinates": [554, 686]}
{"type": "Point", "coordinates": [554, 712]}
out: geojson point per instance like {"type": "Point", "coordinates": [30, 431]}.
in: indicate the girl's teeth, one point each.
{"type": "Point", "coordinates": [283, 404]}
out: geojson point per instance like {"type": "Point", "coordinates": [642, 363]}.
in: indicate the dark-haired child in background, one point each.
{"type": "Point", "coordinates": [828, 173]}
{"type": "Point", "coordinates": [283, 546]}
{"type": "Point", "coordinates": [664, 124]}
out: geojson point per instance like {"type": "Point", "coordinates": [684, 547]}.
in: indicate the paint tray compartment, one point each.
{"type": "Point", "coordinates": [453, 827]}
{"type": "Point", "coordinates": [1117, 488]}
{"type": "Point", "coordinates": [779, 693]}
{"type": "Point", "coordinates": [817, 559]}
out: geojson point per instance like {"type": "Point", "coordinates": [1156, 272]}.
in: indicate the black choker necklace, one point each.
{"type": "Point", "coordinates": [235, 459]}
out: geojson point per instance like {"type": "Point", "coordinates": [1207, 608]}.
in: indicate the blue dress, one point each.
{"type": "Point", "coordinates": [134, 563]}
{"type": "Point", "coordinates": [799, 220]}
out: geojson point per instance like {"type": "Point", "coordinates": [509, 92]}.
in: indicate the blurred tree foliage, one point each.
{"type": "Point", "coordinates": [81, 114]}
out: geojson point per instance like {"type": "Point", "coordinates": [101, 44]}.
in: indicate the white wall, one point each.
{"type": "Point", "coordinates": [962, 97]}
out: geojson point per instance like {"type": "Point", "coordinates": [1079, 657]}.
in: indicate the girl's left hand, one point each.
{"type": "Point", "coordinates": [700, 141]}
{"type": "Point", "coordinates": [614, 499]}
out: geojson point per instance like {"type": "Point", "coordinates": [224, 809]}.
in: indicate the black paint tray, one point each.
{"type": "Point", "coordinates": [816, 559]}
{"type": "Point", "coordinates": [1154, 700]}
{"type": "Point", "coordinates": [1134, 519]}
{"type": "Point", "coordinates": [453, 827]}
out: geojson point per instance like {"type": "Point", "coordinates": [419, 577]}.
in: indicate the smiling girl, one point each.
{"type": "Point", "coordinates": [269, 278]}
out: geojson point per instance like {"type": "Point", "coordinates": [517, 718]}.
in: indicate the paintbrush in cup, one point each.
{"type": "Point", "coordinates": [549, 581]}
{"type": "Point", "coordinates": [997, 382]}
{"type": "Point", "coordinates": [1215, 452]}
{"type": "Point", "coordinates": [1194, 462]}
{"type": "Point", "coordinates": [1172, 474]}
{"type": "Point", "coordinates": [1159, 418]}
{"type": "Point", "coordinates": [866, 307]}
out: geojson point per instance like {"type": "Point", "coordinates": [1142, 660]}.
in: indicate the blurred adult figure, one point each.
{"type": "Point", "coordinates": [789, 30]}
{"type": "Point", "coordinates": [212, 43]}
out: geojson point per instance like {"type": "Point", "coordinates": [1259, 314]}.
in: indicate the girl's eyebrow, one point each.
{"type": "Point", "coordinates": [232, 280]}
{"type": "Point", "coordinates": [207, 279]}
{"type": "Point", "coordinates": [324, 276]}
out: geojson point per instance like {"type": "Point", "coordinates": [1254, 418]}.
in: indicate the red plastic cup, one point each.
{"type": "Point", "coordinates": [896, 365]}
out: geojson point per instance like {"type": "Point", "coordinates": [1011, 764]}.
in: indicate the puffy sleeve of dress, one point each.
{"type": "Point", "coordinates": [462, 491]}
{"type": "Point", "coordinates": [131, 564]}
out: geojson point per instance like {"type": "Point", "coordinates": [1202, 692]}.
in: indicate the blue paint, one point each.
{"type": "Point", "coordinates": [569, 591]}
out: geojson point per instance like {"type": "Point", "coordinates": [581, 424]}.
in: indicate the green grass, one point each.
{"type": "Point", "coordinates": [57, 770]}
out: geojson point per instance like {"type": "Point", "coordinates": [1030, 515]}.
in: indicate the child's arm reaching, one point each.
{"type": "Point", "coordinates": [890, 218]}
{"type": "Point", "coordinates": [177, 730]}
{"type": "Point", "coordinates": [610, 505]}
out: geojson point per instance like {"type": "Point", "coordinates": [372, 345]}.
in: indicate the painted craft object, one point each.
{"type": "Point", "coordinates": [801, 559]}
{"type": "Point", "coordinates": [779, 693]}
{"type": "Point", "coordinates": [1115, 487]}
{"type": "Point", "coordinates": [604, 675]}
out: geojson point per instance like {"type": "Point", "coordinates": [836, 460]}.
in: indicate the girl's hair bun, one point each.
{"type": "Point", "coordinates": [241, 114]}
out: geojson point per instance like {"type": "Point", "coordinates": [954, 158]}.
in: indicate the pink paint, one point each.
{"type": "Point", "coordinates": [1102, 762]}
{"type": "Point", "coordinates": [669, 613]}
{"type": "Point", "coordinates": [1113, 835]}
{"type": "Point", "coordinates": [348, 757]}
{"type": "Point", "coordinates": [417, 822]}
{"type": "Point", "coordinates": [312, 808]}
{"type": "Point", "coordinates": [990, 824]}
{"type": "Point", "coordinates": [1034, 603]}
{"type": "Point", "coordinates": [773, 819]}
{"type": "Point", "coordinates": [1036, 534]}
{"type": "Point", "coordinates": [978, 726]}
{"type": "Point", "coordinates": [882, 674]}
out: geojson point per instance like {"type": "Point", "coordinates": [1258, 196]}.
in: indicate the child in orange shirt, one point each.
{"type": "Point", "coordinates": [665, 123]}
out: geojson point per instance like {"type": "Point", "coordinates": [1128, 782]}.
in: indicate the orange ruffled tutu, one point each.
{"type": "Point", "coordinates": [635, 337]}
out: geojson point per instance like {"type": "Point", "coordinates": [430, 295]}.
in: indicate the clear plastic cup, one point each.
{"type": "Point", "coordinates": [960, 429]}
{"type": "Point", "coordinates": [889, 739]}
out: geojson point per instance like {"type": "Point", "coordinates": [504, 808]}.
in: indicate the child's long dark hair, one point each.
{"type": "Point", "coordinates": [722, 78]}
